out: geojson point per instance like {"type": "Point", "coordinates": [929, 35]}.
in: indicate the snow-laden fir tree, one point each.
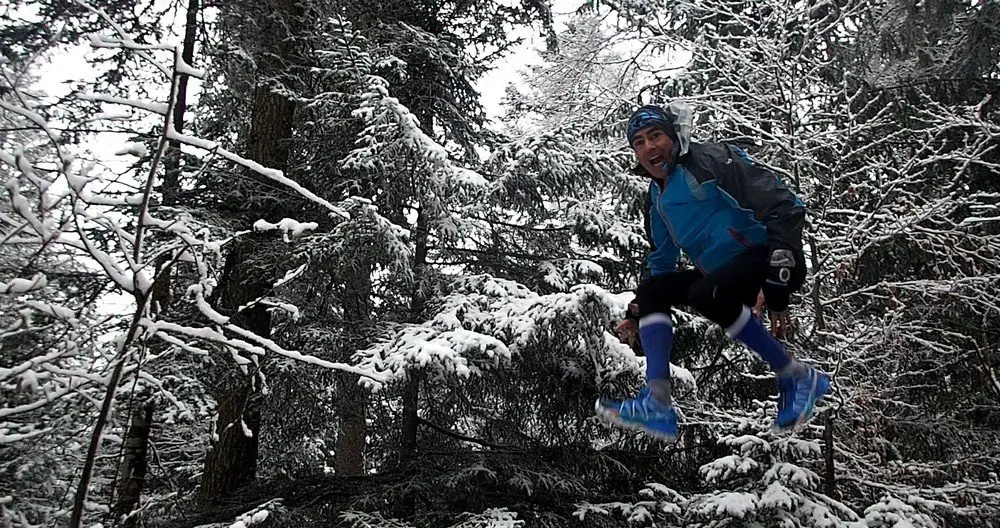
{"type": "Point", "coordinates": [477, 294]}
{"type": "Point", "coordinates": [66, 386]}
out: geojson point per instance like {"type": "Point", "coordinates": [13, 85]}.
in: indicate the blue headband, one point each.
{"type": "Point", "coordinates": [649, 116]}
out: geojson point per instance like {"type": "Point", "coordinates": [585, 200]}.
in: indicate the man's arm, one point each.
{"type": "Point", "coordinates": [647, 228]}
{"type": "Point", "coordinates": [662, 258]}
{"type": "Point", "coordinates": [756, 188]}
{"type": "Point", "coordinates": [659, 259]}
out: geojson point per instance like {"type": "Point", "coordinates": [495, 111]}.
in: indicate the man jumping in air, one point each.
{"type": "Point", "coordinates": [742, 227]}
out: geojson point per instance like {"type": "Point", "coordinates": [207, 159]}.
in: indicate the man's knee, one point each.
{"type": "Point", "coordinates": [718, 307]}
{"type": "Point", "coordinates": [659, 293]}
{"type": "Point", "coordinates": [701, 295]}
{"type": "Point", "coordinates": [647, 300]}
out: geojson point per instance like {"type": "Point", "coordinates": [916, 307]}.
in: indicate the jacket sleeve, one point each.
{"type": "Point", "coordinates": [647, 227]}
{"type": "Point", "coordinates": [773, 204]}
{"type": "Point", "coordinates": [661, 258]}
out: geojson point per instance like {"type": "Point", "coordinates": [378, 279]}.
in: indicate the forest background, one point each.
{"type": "Point", "coordinates": [274, 264]}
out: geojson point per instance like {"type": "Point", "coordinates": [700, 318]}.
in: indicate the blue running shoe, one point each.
{"type": "Point", "coordinates": [798, 396]}
{"type": "Point", "coordinates": [643, 413]}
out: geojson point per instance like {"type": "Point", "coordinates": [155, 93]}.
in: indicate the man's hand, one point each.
{"type": "Point", "coordinates": [781, 322]}
{"type": "Point", "coordinates": [779, 272]}
{"type": "Point", "coordinates": [628, 332]}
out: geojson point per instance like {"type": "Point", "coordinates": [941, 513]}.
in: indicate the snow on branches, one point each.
{"type": "Point", "coordinates": [78, 243]}
{"type": "Point", "coordinates": [485, 321]}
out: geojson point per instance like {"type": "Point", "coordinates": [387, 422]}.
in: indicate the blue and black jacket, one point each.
{"type": "Point", "coordinates": [715, 204]}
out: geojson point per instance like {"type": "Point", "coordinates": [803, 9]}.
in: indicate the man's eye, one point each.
{"type": "Point", "coordinates": [656, 134]}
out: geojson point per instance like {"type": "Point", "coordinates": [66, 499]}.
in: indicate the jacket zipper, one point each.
{"type": "Point", "coordinates": [670, 229]}
{"type": "Point", "coordinates": [663, 216]}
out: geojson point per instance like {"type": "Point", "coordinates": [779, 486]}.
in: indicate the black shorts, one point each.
{"type": "Point", "coordinates": [720, 296]}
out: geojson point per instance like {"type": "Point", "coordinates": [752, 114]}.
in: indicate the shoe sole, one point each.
{"type": "Point", "coordinates": [615, 419]}
{"type": "Point", "coordinates": [807, 414]}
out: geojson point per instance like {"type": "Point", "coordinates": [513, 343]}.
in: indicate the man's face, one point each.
{"type": "Point", "coordinates": [652, 147]}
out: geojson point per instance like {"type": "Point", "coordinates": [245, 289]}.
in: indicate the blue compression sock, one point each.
{"type": "Point", "coordinates": [657, 337]}
{"type": "Point", "coordinates": [749, 331]}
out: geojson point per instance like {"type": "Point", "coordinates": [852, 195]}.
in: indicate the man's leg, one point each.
{"type": "Point", "coordinates": [725, 296]}
{"type": "Point", "coordinates": [654, 298]}
{"type": "Point", "coordinates": [651, 410]}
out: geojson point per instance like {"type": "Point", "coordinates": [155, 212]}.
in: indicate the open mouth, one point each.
{"type": "Point", "coordinates": [656, 161]}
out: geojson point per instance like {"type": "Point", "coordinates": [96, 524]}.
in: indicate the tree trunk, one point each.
{"type": "Point", "coordinates": [133, 471]}
{"type": "Point", "coordinates": [405, 503]}
{"type": "Point", "coordinates": [162, 293]}
{"type": "Point", "coordinates": [232, 461]}
{"type": "Point", "coordinates": [231, 464]}
{"type": "Point", "coordinates": [830, 474]}
{"type": "Point", "coordinates": [408, 438]}
{"type": "Point", "coordinates": [817, 294]}
{"type": "Point", "coordinates": [353, 398]}
{"type": "Point", "coordinates": [352, 437]}
{"type": "Point", "coordinates": [270, 133]}
{"type": "Point", "coordinates": [172, 161]}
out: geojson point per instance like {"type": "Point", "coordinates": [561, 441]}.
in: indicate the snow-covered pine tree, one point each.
{"type": "Point", "coordinates": [498, 311]}
{"type": "Point", "coordinates": [286, 63]}
{"type": "Point", "coordinates": [482, 327]}
{"type": "Point", "coordinates": [764, 481]}
{"type": "Point", "coordinates": [89, 358]}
